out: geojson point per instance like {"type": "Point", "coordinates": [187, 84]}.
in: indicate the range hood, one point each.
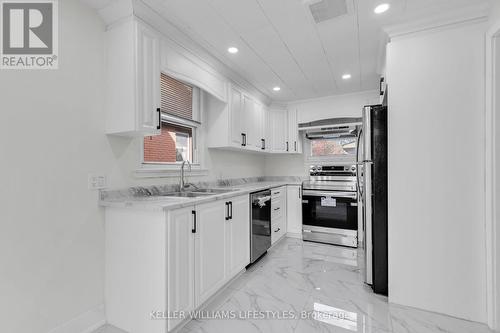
{"type": "Point", "coordinates": [331, 128]}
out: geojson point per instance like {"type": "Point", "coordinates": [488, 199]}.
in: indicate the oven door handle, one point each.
{"type": "Point", "coordinates": [348, 195]}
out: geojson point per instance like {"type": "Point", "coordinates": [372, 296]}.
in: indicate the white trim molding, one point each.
{"type": "Point", "coordinates": [464, 15]}
{"type": "Point", "coordinates": [491, 133]}
{"type": "Point", "coordinates": [114, 11]}
{"type": "Point", "coordinates": [86, 322]}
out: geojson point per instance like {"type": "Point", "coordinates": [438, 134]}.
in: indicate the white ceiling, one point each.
{"type": "Point", "coordinates": [281, 45]}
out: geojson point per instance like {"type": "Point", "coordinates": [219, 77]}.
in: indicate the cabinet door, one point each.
{"type": "Point", "coordinates": [148, 79]}
{"type": "Point", "coordinates": [248, 120]}
{"type": "Point", "coordinates": [209, 250]}
{"type": "Point", "coordinates": [293, 132]}
{"type": "Point", "coordinates": [238, 235]}
{"type": "Point", "coordinates": [266, 128]}
{"type": "Point", "coordinates": [279, 130]}
{"type": "Point", "coordinates": [257, 128]}
{"type": "Point", "coordinates": [180, 263]}
{"type": "Point", "coordinates": [236, 114]}
{"type": "Point", "coordinates": [294, 209]}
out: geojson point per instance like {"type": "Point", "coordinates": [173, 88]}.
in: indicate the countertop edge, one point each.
{"type": "Point", "coordinates": [162, 206]}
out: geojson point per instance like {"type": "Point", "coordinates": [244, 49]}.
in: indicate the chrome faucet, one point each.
{"type": "Point", "coordinates": [182, 184]}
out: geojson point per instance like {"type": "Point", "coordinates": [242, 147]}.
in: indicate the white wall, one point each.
{"type": "Point", "coordinates": [51, 137]}
{"type": "Point", "coordinates": [348, 105]}
{"type": "Point", "coordinates": [494, 21]}
{"type": "Point", "coordinates": [497, 156]}
{"type": "Point", "coordinates": [51, 237]}
{"type": "Point", "coordinates": [436, 171]}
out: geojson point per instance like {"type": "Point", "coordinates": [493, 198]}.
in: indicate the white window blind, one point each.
{"type": "Point", "coordinates": [176, 97]}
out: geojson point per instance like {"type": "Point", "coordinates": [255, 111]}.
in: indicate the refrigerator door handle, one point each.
{"type": "Point", "coordinates": [358, 163]}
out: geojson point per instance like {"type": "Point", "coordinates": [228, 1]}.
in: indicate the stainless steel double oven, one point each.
{"type": "Point", "coordinates": [330, 205]}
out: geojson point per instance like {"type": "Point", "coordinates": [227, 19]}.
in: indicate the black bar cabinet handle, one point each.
{"type": "Point", "coordinates": [159, 118]}
{"type": "Point", "coordinates": [227, 211]}
{"type": "Point", "coordinates": [263, 144]}
{"type": "Point", "coordinates": [231, 211]}
{"type": "Point", "coordinates": [287, 146]}
{"type": "Point", "coordinates": [295, 143]}
{"type": "Point", "coordinates": [194, 222]}
{"type": "Point", "coordinates": [243, 139]}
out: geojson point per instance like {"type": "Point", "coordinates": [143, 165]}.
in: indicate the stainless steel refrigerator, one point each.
{"type": "Point", "coordinates": [372, 181]}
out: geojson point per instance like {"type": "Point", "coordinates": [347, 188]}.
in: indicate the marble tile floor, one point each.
{"type": "Point", "coordinates": [314, 288]}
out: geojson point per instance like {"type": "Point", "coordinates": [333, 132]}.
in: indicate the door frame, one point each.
{"type": "Point", "coordinates": [491, 221]}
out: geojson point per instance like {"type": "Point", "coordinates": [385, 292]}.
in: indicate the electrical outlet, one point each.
{"type": "Point", "coordinates": [97, 182]}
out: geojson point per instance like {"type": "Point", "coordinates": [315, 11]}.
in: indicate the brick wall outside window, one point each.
{"type": "Point", "coordinates": [161, 148]}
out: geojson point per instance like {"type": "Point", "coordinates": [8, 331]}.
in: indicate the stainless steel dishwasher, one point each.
{"type": "Point", "coordinates": [260, 227]}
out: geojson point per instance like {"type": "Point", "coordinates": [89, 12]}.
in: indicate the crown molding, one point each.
{"type": "Point", "coordinates": [115, 11]}
{"type": "Point", "coordinates": [461, 16]}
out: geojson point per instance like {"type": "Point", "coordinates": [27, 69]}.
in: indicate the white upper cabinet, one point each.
{"type": "Point", "coordinates": [257, 130]}
{"type": "Point", "coordinates": [238, 124]}
{"type": "Point", "coordinates": [253, 123]}
{"type": "Point", "coordinates": [249, 122]}
{"type": "Point", "coordinates": [226, 121]}
{"type": "Point", "coordinates": [133, 79]}
{"type": "Point", "coordinates": [278, 130]}
{"type": "Point", "coordinates": [294, 142]}
{"type": "Point", "coordinates": [266, 129]}
{"type": "Point", "coordinates": [236, 115]}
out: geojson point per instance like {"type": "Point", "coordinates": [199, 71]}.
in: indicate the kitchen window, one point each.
{"type": "Point", "coordinates": [333, 147]}
{"type": "Point", "coordinates": [180, 122]}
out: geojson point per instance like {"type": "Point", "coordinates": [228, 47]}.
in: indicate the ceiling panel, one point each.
{"type": "Point", "coordinates": [204, 24]}
{"type": "Point", "coordinates": [340, 39]}
{"type": "Point", "coordinates": [242, 15]}
{"type": "Point", "coordinates": [280, 44]}
{"type": "Point", "coordinates": [268, 44]}
{"type": "Point", "coordinates": [294, 26]}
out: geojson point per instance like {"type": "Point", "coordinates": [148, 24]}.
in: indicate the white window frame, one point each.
{"type": "Point", "coordinates": [171, 169]}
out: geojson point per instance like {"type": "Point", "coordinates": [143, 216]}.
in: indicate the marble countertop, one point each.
{"type": "Point", "coordinates": [163, 203]}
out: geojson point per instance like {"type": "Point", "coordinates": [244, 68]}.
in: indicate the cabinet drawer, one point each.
{"type": "Point", "coordinates": [277, 230]}
{"type": "Point", "coordinates": [277, 192]}
{"type": "Point", "coordinates": [277, 209]}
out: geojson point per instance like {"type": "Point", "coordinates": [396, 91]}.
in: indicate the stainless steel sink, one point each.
{"type": "Point", "coordinates": [201, 192]}
{"type": "Point", "coordinates": [186, 194]}
{"type": "Point", "coordinates": [212, 190]}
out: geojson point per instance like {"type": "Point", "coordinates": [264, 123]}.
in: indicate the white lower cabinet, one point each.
{"type": "Point", "coordinates": [210, 251]}
{"type": "Point", "coordinates": [237, 236]}
{"type": "Point", "coordinates": [208, 245]}
{"type": "Point", "coordinates": [160, 263]}
{"type": "Point", "coordinates": [294, 210]}
{"type": "Point", "coordinates": [180, 263]}
{"type": "Point", "coordinates": [278, 213]}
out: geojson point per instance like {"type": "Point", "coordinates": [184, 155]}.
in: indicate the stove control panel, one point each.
{"type": "Point", "coordinates": [332, 170]}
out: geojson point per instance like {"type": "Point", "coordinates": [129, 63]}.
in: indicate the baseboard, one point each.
{"type": "Point", "coordinates": [294, 235]}
{"type": "Point", "coordinates": [84, 323]}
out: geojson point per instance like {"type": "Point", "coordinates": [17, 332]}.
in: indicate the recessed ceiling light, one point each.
{"type": "Point", "coordinates": [382, 8]}
{"type": "Point", "coordinates": [232, 50]}
{"type": "Point", "coordinates": [276, 88]}
{"type": "Point", "coordinates": [346, 76]}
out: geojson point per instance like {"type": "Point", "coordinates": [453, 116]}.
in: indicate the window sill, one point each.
{"type": "Point", "coordinates": [168, 171]}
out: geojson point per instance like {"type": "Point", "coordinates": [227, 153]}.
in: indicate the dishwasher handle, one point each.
{"type": "Point", "coordinates": [348, 195]}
